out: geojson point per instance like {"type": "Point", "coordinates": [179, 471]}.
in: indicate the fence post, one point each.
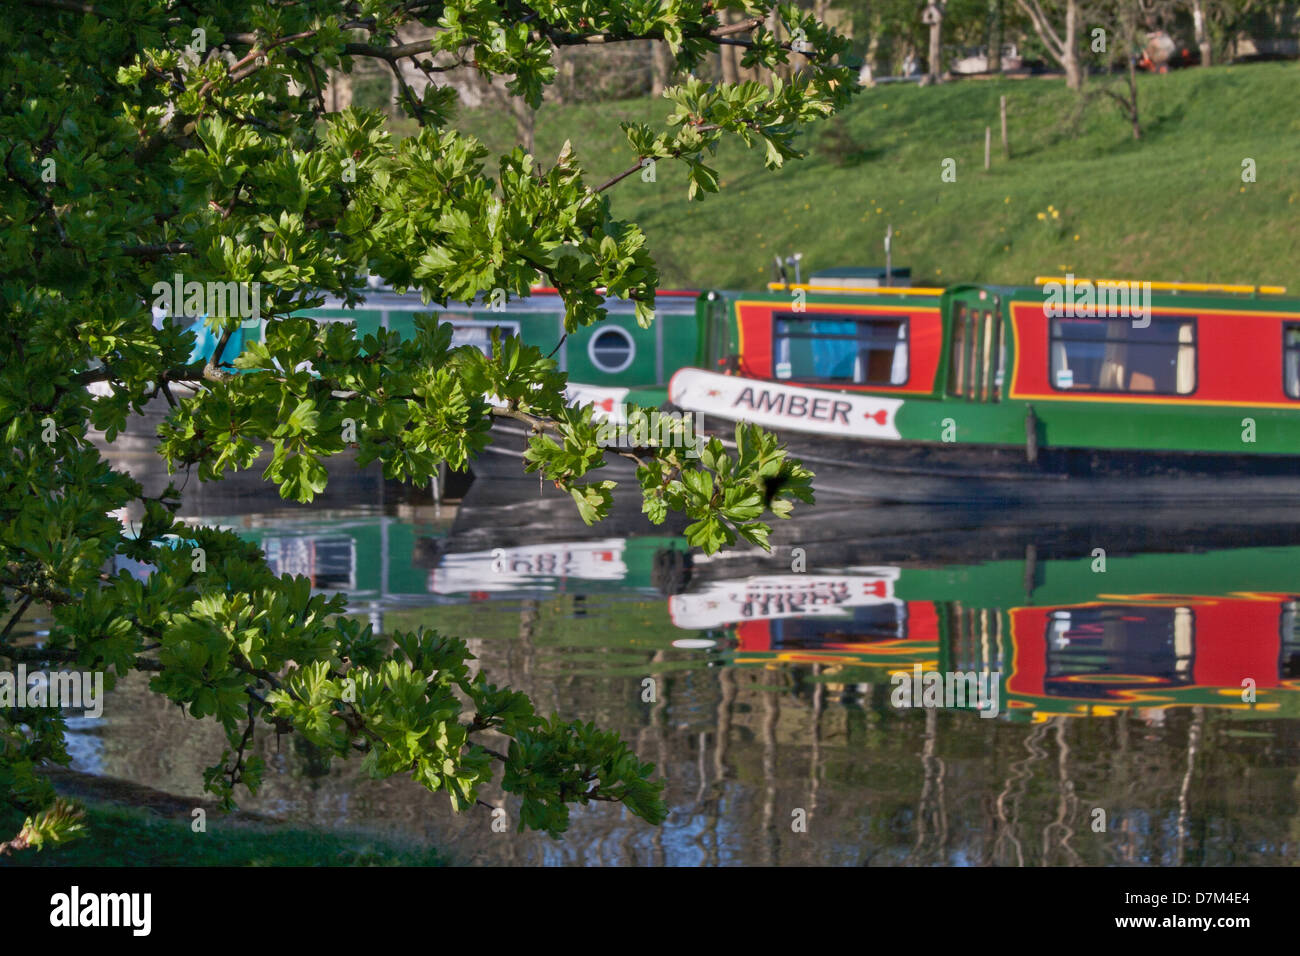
{"type": "Point", "coordinates": [1006, 147]}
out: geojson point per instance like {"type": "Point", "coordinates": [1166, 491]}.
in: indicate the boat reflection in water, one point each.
{"type": "Point", "coordinates": [1152, 631]}
{"type": "Point", "coordinates": [758, 689]}
{"type": "Point", "coordinates": [1217, 629]}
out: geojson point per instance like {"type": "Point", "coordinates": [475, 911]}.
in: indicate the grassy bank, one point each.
{"type": "Point", "coordinates": [126, 836]}
{"type": "Point", "coordinates": [1172, 206]}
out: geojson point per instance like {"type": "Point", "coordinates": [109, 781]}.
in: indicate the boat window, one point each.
{"type": "Point", "coordinates": [611, 350]}
{"type": "Point", "coordinates": [957, 354]}
{"type": "Point", "coordinates": [718, 327]}
{"type": "Point", "coordinates": [466, 331]}
{"type": "Point", "coordinates": [330, 561]}
{"type": "Point", "coordinates": [976, 323]}
{"type": "Point", "coordinates": [1288, 665]}
{"type": "Point", "coordinates": [835, 348]}
{"type": "Point", "coordinates": [986, 362]}
{"type": "Point", "coordinates": [1108, 355]}
{"type": "Point", "coordinates": [871, 624]}
{"type": "Point", "coordinates": [1106, 651]}
{"type": "Point", "coordinates": [1291, 359]}
{"type": "Point", "coordinates": [1000, 354]}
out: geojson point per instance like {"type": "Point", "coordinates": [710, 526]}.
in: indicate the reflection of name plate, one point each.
{"type": "Point", "coordinates": [781, 596]}
{"type": "Point", "coordinates": [536, 567]}
{"type": "Point", "coordinates": [775, 405]}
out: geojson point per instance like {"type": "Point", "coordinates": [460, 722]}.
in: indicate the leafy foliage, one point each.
{"type": "Point", "coordinates": [144, 141]}
{"type": "Point", "coordinates": [61, 823]}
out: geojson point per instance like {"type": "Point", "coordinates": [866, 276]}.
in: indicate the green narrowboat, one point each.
{"type": "Point", "coordinates": [604, 361]}
{"type": "Point", "coordinates": [612, 354]}
{"type": "Point", "coordinates": [1126, 390]}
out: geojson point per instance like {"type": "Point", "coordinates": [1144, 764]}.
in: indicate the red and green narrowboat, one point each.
{"type": "Point", "coordinates": [1150, 631]}
{"type": "Point", "coordinates": [1007, 393]}
{"type": "Point", "coordinates": [1068, 629]}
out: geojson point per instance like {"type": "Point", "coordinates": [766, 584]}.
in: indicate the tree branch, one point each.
{"type": "Point", "coordinates": [70, 5]}
{"type": "Point", "coordinates": [157, 250]}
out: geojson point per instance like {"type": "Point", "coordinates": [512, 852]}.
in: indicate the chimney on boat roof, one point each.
{"type": "Point", "coordinates": [781, 267]}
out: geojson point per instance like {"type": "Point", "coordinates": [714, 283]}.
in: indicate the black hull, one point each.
{"type": "Point", "coordinates": [841, 534]}
{"type": "Point", "coordinates": [927, 473]}
{"type": "Point", "coordinates": [513, 514]}
{"type": "Point", "coordinates": [892, 472]}
{"type": "Point", "coordinates": [135, 452]}
{"type": "Point", "coordinates": [503, 459]}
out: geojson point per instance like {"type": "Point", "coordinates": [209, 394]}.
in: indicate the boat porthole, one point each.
{"type": "Point", "coordinates": [611, 350]}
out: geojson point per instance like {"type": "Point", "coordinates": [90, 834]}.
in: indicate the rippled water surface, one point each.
{"type": "Point", "coordinates": [766, 688]}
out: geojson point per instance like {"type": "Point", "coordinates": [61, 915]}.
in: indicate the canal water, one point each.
{"type": "Point", "coordinates": [1139, 676]}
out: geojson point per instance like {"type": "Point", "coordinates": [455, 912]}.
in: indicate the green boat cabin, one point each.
{"type": "Point", "coordinates": [615, 352]}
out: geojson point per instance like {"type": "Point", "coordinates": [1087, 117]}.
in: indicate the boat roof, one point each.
{"type": "Point", "coordinates": [1192, 292]}
{"type": "Point", "coordinates": [1165, 286]}
{"type": "Point", "coordinates": [542, 301]}
{"type": "Point", "coordinates": [781, 289]}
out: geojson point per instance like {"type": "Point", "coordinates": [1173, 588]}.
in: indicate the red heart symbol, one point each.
{"type": "Point", "coordinates": [608, 405]}
{"type": "Point", "coordinates": [881, 417]}
{"type": "Point", "coordinates": [877, 586]}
